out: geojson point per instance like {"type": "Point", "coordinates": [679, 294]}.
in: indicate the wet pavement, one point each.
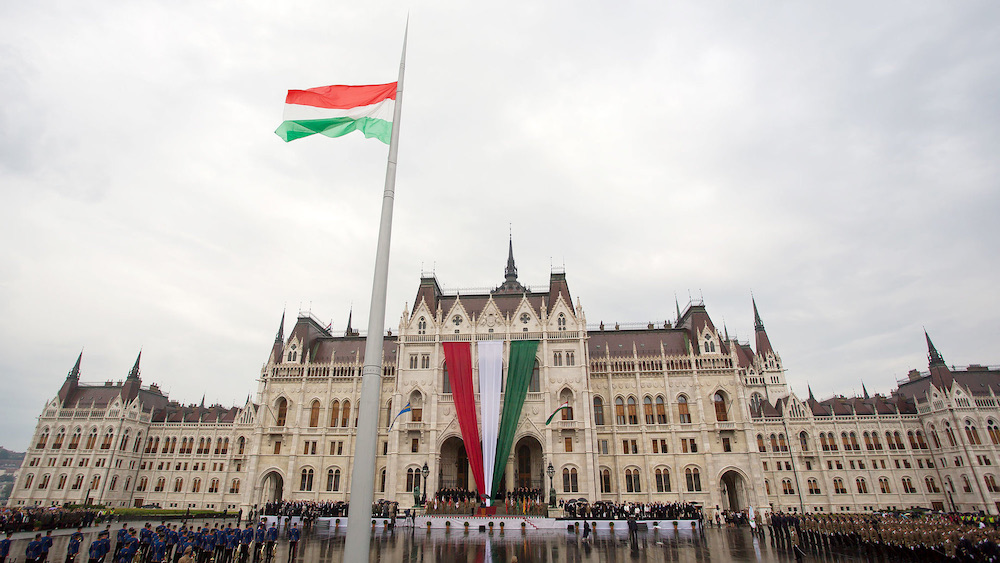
{"type": "Point", "coordinates": [423, 546]}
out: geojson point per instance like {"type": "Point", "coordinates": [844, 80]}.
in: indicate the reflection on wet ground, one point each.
{"type": "Point", "coordinates": [422, 546]}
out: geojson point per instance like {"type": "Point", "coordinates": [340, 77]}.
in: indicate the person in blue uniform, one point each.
{"type": "Point", "coordinates": [293, 541]}
{"type": "Point", "coordinates": [172, 538]}
{"type": "Point", "coordinates": [158, 548]}
{"type": "Point", "coordinates": [258, 541]}
{"type": "Point", "coordinates": [120, 538]}
{"type": "Point", "coordinates": [100, 548]}
{"type": "Point", "coordinates": [46, 545]}
{"type": "Point", "coordinates": [33, 553]}
{"type": "Point", "coordinates": [272, 537]}
{"type": "Point", "coordinates": [232, 540]}
{"type": "Point", "coordinates": [73, 547]}
{"type": "Point", "coordinates": [246, 538]}
{"type": "Point", "coordinates": [5, 547]}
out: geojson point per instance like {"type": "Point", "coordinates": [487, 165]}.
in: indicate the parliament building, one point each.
{"type": "Point", "coordinates": [660, 412]}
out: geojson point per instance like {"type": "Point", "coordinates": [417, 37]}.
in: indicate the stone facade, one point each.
{"type": "Point", "coordinates": [673, 411]}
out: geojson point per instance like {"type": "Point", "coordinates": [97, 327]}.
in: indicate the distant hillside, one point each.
{"type": "Point", "coordinates": [6, 455]}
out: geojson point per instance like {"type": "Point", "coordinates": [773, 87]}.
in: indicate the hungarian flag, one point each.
{"type": "Point", "coordinates": [559, 408]}
{"type": "Point", "coordinates": [337, 110]}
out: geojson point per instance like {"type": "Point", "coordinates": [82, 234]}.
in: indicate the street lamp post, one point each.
{"type": "Point", "coordinates": [551, 471]}
{"type": "Point", "coordinates": [425, 471]}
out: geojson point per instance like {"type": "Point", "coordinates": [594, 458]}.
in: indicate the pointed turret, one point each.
{"type": "Point", "coordinates": [71, 384]}
{"type": "Point", "coordinates": [677, 305]}
{"type": "Point", "coordinates": [864, 391]}
{"type": "Point", "coordinates": [510, 284]}
{"type": "Point", "coordinates": [280, 336]}
{"type": "Point", "coordinates": [510, 272]}
{"type": "Point", "coordinates": [350, 331]}
{"type": "Point", "coordinates": [811, 396]}
{"type": "Point", "coordinates": [134, 373]}
{"type": "Point", "coordinates": [130, 390]}
{"type": "Point", "coordinates": [934, 357]}
{"type": "Point", "coordinates": [763, 344]}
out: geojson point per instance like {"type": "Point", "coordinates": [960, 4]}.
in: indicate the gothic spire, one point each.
{"type": "Point", "coordinates": [677, 305]}
{"type": "Point", "coordinates": [811, 397]}
{"type": "Point", "coordinates": [134, 374]}
{"type": "Point", "coordinates": [934, 357]}
{"type": "Point", "coordinates": [350, 314]}
{"type": "Point", "coordinates": [864, 391]}
{"type": "Point", "coordinates": [280, 337]}
{"type": "Point", "coordinates": [763, 343]}
{"type": "Point", "coordinates": [510, 272]}
{"type": "Point", "coordinates": [75, 372]}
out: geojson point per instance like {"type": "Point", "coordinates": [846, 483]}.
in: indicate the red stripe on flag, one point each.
{"type": "Point", "coordinates": [342, 97]}
{"type": "Point", "coordinates": [459, 359]}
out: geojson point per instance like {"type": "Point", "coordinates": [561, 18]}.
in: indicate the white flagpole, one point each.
{"type": "Point", "coordinates": [359, 526]}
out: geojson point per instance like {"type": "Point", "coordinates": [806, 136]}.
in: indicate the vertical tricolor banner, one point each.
{"type": "Point", "coordinates": [459, 358]}
{"type": "Point", "coordinates": [522, 361]}
{"type": "Point", "coordinates": [490, 379]}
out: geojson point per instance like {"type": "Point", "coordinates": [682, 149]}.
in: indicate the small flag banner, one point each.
{"type": "Point", "coordinates": [555, 412]}
{"type": "Point", "coordinates": [405, 409]}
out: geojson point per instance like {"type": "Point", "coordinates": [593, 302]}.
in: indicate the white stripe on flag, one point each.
{"type": "Point", "coordinates": [490, 373]}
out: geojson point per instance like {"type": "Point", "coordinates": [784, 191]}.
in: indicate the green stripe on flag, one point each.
{"type": "Point", "coordinates": [335, 127]}
{"type": "Point", "coordinates": [522, 361]}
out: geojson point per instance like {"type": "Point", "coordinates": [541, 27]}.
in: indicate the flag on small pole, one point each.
{"type": "Point", "coordinates": [559, 408]}
{"type": "Point", "coordinates": [405, 409]}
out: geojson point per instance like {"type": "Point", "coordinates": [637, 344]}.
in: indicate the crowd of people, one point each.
{"type": "Point", "coordinates": [938, 537]}
{"type": "Point", "coordinates": [605, 510]}
{"type": "Point", "coordinates": [37, 518]}
{"type": "Point", "coordinates": [305, 509]}
{"type": "Point", "coordinates": [455, 495]}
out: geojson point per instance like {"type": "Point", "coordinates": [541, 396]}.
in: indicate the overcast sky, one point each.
{"type": "Point", "coordinates": [837, 159]}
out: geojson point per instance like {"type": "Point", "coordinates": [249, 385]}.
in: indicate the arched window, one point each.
{"type": "Point", "coordinates": [970, 432]}
{"type": "Point", "coordinates": [682, 409]}
{"type": "Point", "coordinates": [345, 414]}
{"type": "Point", "coordinates": [534, 386]}
{"type": "Point", "coordinates": [693, 478]}
{"type": "Point", "coordinates": [416, 407]}
{"type": "Point", "coordinates": [388, 413]}
{"type": "Point", "coordinates": [335, 414]}
{"type": "Point", "coordinates": [774, 443]}
{"type": "Point", "coordinates": [922, 444]}
{"type": "Point", "coordinates": [908, 486]}
{"type": "Point", "coordinates": [62, 483]}
{"type": "Point", "coordinates": [333, 480]}
{"type": "Point", "coordinates": [760, 443]}
{"type": "Point", "coordinates": [804, 441]}
{"type": "Point", "coordinates": [720, 407]}
{"type": "Point", "coordinates": [422, 326]}
{"type": "Point", "coordinates": [178, 485]}
{"type": "Point", "coordinates": [605, 480]}
{"type": "Point", "coordinates": [663, 480]}
{"type": "Point", "coordinates": [862, 485]}
{"type": "Point", "coordinates": [813, 486]}
{"type": "Point", "coordinates": [993, 430]}
{"type": "Point", "coordinates": [786, 487]}
{"type": "Point", "coordinates": [913, 440]}
{"type": "Point", "coordinates": [661, 410]}
{"type": "Point", "coordinates": [242, 444]}
{"type": "Point", "coordinates": [565, 477]}
{"type": "Point", "coordinates": [931, 485]}
{"type": "Point", "coordinates": [823, 444]}
{"type": "Point", "coordinates": [225, 446]}
{"type": "Point", "coordinates": [632, 484]}
{"type": "Point", "coordinates": [381, 481]}
{"type": "Point", "coordinates": [755, 401]}
{"type": "Point", "coordinates": [598, 411]}
{"type": "Point", "coordinates": [889, 441]}
{"type": "Point", "coordinates": [282, 409]}
{"type": "Point", "coordinates": [566, 397]}
{"type": "Point", "coordinates": [109, 438]}
{"type": "Point", "coordinates": [883, 485]}
{"type": "Point", "coordinates": [306, 483]}
{"type": "Point", "coordinates": [196, 485]}
{"type": "Point", "coordinates": [846, 441]}
{"type": "Point", "coordinates": [234, 487]}
{"type": "Point", "coordinates": [445, 380]}
{"type": "Point", "coordinates": [412, 479]}
{"type": "Point", "coordinates": [934, 437]}
{"type": "Point", "coordinates": [876, 442]}
{"type": "Point", "coordinates": [782, 443]}
{"type": "Point", "coordinates": [991, 483]}
{"type": "Point", "coordinates": [61, 436]}
{"type": "Point", "coordinates": [42, 440]}
{"type": "Point", "coordinates": [633, 414]}
{"type": "Point", "coordinates": [966, 485]}
{"type": "Point", "coordinates": [647, 409]}
{"type": "Point", "coordinates": [314, 414]}
{"type": "Point", "coordinates": [561, 321]}
{"type": "Point", "coordinates": [74, 441]}
{"type": "Point", "coordinates": [868, 441]}
{"type": "Point", "coordinates": [948, 431]}
{"type": "Point", "coordinates": [854, 442]}
{"type": "Point", "coordinates": [619, 411]}
{"type": "Point", "coordinates": [838, 486]}
{"type": "Point", "coordinates": [91, 439]}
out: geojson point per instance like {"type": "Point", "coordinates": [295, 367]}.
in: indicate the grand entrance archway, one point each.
{"type": "Point", "coordinates": [734, 491]}
{"type": "Point", "coordinates": [528, 463]}
{"type": "Point", "coordinates": [453, 470]}
{"type": "Point", "coordinates": [272, 487]}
